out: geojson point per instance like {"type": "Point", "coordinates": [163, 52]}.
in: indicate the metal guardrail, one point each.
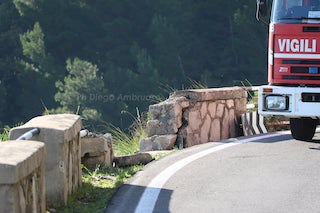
{"type": "Point", "coordinates": [84, 133]}
{"type": "Point", "coordinates": [254, 88]}
{"type": "Point", "coordinates": [28, 135]}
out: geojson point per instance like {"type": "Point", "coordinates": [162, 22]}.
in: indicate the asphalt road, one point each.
{"type": "Point", "coordinates": [269, 173]}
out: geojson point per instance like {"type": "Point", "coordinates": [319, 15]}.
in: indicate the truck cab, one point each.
{"type": "Point", "coordinates": [294, 53]}
{"type": "Point", "coordinates": [293, 88]}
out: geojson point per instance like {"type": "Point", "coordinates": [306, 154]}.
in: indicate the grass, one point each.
{"type": "Point", "coordinates": [129, 143]}
{"type": "Point", "coordinates": [4, 136]}
{"type": "Point", "coordinates": [98, 186]}
{"type": "Point", "coordinates": [252, 95]}
{"type": "Point", "coordinates": [196, 85]}
{"type": "Point", "coordinates": [168, 90]}
{"type": "Point", "coordinates": [123, 143]}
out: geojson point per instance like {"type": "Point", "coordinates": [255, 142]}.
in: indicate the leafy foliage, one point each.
{"type": "Point", "coordinates": [102, 57]}
{"type": "Point", "coordinates": [33, 44]}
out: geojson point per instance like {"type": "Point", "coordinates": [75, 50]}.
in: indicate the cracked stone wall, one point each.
{"type": "Point", "coordinates": [193, 117]}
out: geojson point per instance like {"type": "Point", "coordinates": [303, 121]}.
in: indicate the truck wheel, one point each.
{"type": "Point", "coordinates": [303, 128]}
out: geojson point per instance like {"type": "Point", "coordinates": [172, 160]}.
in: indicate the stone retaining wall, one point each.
{"type": "Point", "coordinates": [192, 117]}
{"type": "Point", "coordinates": [22, 179]}
{"type": "Point", "coordinates": [61, 135]}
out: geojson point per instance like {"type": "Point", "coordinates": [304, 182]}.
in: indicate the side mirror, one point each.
{"type": "Point", "coordinates": [262, 7]}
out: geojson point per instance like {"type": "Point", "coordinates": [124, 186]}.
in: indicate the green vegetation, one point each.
{"type": "Point", "coordinates": [4, 135]}
{"type": "Point", "coordinates": [123, 143]}
{"type": "Point", "coordinates": [101, 57]}
{"type": "Point", "coordinates": [97, 188]}
{"type": "Point", "coordinates": [129, 143]}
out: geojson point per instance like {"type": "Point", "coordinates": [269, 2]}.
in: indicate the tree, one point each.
{"type": "Point", "coordinates": [250, 43]}
{"type": "Point", "coordinates": [136, 44]}
{"type": "Point", "coordinates": [11, 25]}
{"type": "Point", "coordinates": [33, 44]}
{"type": "Point", "coordinates": [81, 91]}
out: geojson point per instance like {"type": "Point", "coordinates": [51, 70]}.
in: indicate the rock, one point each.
{"type": "Point", "coordinates": [97, 149]}
{"type": "Point", "coordinates": [92, 161]}
{"type": "Point", "coordinates": [130, 160]}
{"type": "Point", "coordinates": [166, 117]}
{"type": "Point", "coordinates": [158, 142]}
{"type": "Point", "coordinates": [154, 127]}
{"type": "Point", "coordinates": [212, 94]}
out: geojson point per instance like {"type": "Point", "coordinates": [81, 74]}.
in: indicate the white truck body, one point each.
{"type": "Point", "coordinates": [293, 102]}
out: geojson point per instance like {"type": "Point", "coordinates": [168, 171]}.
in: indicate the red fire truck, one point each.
{"type": "Point", "coordinates": [293, 64]}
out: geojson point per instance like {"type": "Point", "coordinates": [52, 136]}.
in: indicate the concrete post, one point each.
{"type": "Point", "coordinates": [60, 133]}
{"type": "Point", "coordinates": [22, 184]}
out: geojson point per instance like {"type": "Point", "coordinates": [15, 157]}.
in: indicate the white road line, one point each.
{"type": "Point", "coordinates": [150, 195]}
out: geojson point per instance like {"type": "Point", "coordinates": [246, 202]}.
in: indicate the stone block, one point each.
{"type": "Point", "coordinates": [215, 131]}
{"type": "Point", "coordinates": [60, 133]}
{"type": "Point", "coordinates": [166, 116]}
{"type": "Point", "coordinates": [203, 109]}
{"type": "Point", "coordinates": [92, 161]}
{"type": "Point", "coordinates": [230, 103]}
{"type": "Point", "coordinates": [155, 127]}
{"type": "Point", "coordinates": [225, 126]}
{"type": "Point", "coordinates": [194, 120]}
{"type": "Point", "coordinates": [205, 130]}
{"type": "Point", "coordinates": [240, 106]}
{"type": "Point", "coordinates": [220, 110]}
{"type": "Point", "coordinates": [232, 124]}
{"type": "Point", "coordinates": [192, 139]}
{"type": "Point", "coordinates": [97, 149]}
{"type": "Point", "coordinates": [212, 94]}
{"type": "Point", "coordinates": [158, 142]}
{"type": "Point", "coordinates": [212, 107]}
{"type": "Point", "coordinates": [22, 181]}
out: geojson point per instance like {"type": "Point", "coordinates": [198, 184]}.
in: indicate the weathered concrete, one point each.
{"type": "Point", "coordinates": [196, 117]}
{"type": "Point", "coordinates": [22, 183]}
{"type": "Point", "coordinates": [97, 149]}
{"type": "Point", "coordinates": [60, 133]}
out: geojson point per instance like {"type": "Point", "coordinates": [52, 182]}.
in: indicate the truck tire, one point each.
{"type": "Point", "coordinates": [303, 128]}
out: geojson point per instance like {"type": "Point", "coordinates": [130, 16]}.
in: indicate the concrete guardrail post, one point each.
{"type": "Point", "coordinates": [22, 178]}
{"type": "Point", "coordinates": [61, 135]}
